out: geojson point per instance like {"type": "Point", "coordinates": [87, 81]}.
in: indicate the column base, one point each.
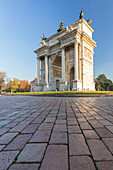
{"type": "Point", "coordinates": [39, 87]}
{"type": "Point", "coordinates": [46, 87]}
{"type": "Point", "coordinates": [63, 86]}
{"type": "Point", "coordinates": [77, 85]}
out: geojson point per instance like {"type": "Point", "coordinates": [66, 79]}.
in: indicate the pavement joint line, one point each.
{"type": "Point", "coordinates": [85, 139]}
{"type": "Point", "coordinates": [50, 133]}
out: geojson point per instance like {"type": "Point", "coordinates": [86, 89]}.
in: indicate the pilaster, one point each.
{"type": "Point", "coordinates": [63, 83]}
{"type": "Point", "coordinates": [38, 70]}
{"type": "Point", "coordinates": [77, 84]}
{"type": "Point", "coordinates": [46, 69]}
{"type": "Point", "coordinates": [46, 85]}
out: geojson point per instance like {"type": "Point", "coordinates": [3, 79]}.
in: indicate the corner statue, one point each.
{"type": "Point", "coordinates": [61, 26]}
{"type": "Point", "coordinates": [89, 22]}
{"type": "Point", "coordinates": [43, 37]}
{"type": "Point", "coordinates": [81, 14]}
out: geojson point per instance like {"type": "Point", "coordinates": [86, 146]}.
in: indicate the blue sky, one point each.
{"type": "Point", "coordinates": [23, 21]}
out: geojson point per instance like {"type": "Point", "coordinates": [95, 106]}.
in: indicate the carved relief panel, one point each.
{"type": "Point", "coordinates": [88, 53]}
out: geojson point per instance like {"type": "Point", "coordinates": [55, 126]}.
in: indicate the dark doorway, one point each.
{"type": "Point", "coordinates": [71, 77]}
{"type": "Point", "coordinates": [57, 84]}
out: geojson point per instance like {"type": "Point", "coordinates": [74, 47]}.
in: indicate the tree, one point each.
{"type": "Point", "coordinates": [97, 85]}
{"type": "Point", "coordinates": [9, 85]}
{"type": "Point", "coordinates": [24, 86]}
{"type": "Point", "coordinates": [105, 83]}
{"type": "Point", "coordinates": [2, 79]}
{"type": "Point", "coordinates": [111, 87]}
{"type": "Point", "coordinates": [14, 85]}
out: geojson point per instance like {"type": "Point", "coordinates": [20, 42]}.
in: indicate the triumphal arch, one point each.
{"type": "Point", "coordinates": [65, 59]}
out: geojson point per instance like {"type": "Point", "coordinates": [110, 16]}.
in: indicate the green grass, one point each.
{"type": "Point", "coordinates": [61, 92]}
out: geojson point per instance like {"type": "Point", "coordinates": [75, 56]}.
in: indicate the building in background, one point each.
{"type": "Point", "coordinates": [65, 60]}
{"type": "Point", "coordinates": [34, 85]}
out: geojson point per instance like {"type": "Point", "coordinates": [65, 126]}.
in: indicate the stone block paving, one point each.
{"type": "Point", "coordinates": [56, 133]}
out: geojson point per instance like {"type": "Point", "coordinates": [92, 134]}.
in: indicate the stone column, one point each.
{"type": "Point", "coordinates": [46, 69]}
{"type": "Point", "coordinates": [82, 57]}
{"type": "Point", "coordinates": [63, 83]}
{"type": "Point", "coordinates": [38, 70]}
{"type": "Point", "coordinates": [76, 60]}
{"type": "Point", "coordinates": [79, 62]}
{"type": "Point", "coordinates": [63, 64]}
{"type": "Point", "coordinates": [49, 69]}
{"type": "Point", "coordinates": [77, 84]}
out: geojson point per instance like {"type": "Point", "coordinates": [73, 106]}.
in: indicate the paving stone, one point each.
{"type": "Point", "coordinates": [74, 129]}
{"type": "Point", "coordinates": [11, 125]}
{"type": "Point", "coordinates": [96, 124]}
{"type": "Point", "coordinates": [109, 143]}
{"type": "Point", "coordinates": [60, 128]}
{"type": "Point", "coordinates": [82, 119]}
{"type": "Point", "coordinates": [30, 128]}
{"type": "Point", "coordinates": [4, 122]}
{"type": "Point", "coordinates": [6, 138]}
{"type": "Point", "coordinates": [85, 125]}
{"type": "Point", "coordinates": [1, 147]}
{"type": "Point", "coordinates": [110, 128]}
{"type": "Point", "coordinates": [58, 138]}
{"type": "Point", "coordinates": [105, 122]}
{"type": "Point", "coordinates": [60, 122]}
{"type": "Point", "coordinates": [3, 130]}
{"type": "Point", "coordinates": [90, 134]}
{"type": "Point", "coordinates": [56, 158]}
{"type": "Point", "coordinates": [104, 132]}
{"type": "Point", "coordinates": [24, 167]}
{"type": "Point", "coordinates": [99, 150]}
{"type": "Point", "coordinates": [72, 122]}
{"type": "Point", "coordinates": [90, 118]}
{"type": "Point", "coordinates": [75, 143]}
{"type": "Point", "coordinates": [6, 158]}
{"type": "Point", "coordinates": [19, 127]}
{"type": "Point", "coordinates": [81, 163]}
{"type": "Point", "coordinates": [32, 153]}
{"type": "Point", "coordinates": [45, 126]}
{"type": "Point", "coordinates": [40, 136]}
{"type": "Point", "coordinates": [19, 142]}
{"type": "Point", "coordinates": [61, 117]}
{"type": "Point", "coordinates": [106, 165]}
{"type": "Point", "coordinates": [49, 120]}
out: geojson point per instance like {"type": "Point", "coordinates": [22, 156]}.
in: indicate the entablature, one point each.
{"type": "Point", "coordinates": [88, 39]}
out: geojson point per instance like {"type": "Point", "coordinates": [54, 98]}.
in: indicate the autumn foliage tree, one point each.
{"type": "Point", "coordinates": [24, 86]}
{"type": "Point", "coordinates": [14, 85]}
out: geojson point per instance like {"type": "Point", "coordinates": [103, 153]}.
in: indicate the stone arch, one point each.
{"type": "Point", "coordinates": [56, 67]}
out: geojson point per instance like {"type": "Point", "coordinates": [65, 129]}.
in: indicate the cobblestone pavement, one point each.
{"type": "Point", "coordinates": [50, 133]}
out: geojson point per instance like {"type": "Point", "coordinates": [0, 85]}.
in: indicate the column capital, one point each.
{"type": "Point", "coordinates": [37, 57]}
{"type": "Point", "coordinates": [76, 41]}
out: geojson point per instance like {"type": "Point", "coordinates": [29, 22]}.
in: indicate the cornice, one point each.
{"type": "Point", "coordinates": [41, 49]}
{"type": "Point", "coordinates": [68, 35]}
{"type": "Point", "coordinates": [86, 37]}
{"type": "Point", "coordinates": [54, 35]}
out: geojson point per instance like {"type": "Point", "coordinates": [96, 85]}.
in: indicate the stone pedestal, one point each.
{"type": "Point", "coordinates": [77, 85]}
{"type": "Point", "coordinates": [63, 86]}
